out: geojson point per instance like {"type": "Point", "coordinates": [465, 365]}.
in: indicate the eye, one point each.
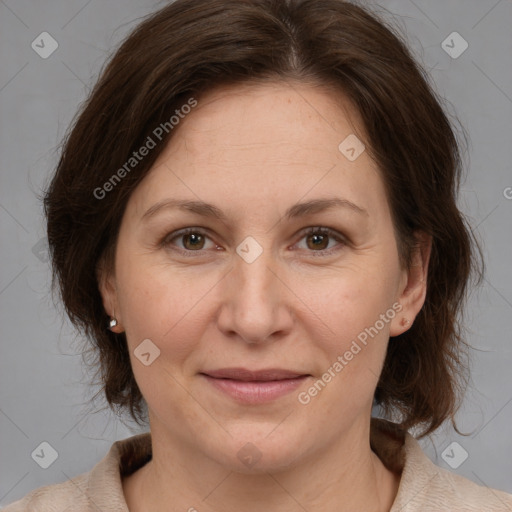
{"type": "Point", "coordinates": [318, 240]}
{"type": "Point", "coordinates": [195, 240]}
{"type": "Point", "coordinates": [191, 240]}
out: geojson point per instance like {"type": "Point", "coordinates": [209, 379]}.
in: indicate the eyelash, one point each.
{"type": "Point", "coordinates": [167, 240]}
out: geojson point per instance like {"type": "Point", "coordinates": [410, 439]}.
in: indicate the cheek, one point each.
{"type": "Point", "coordinates": [170, 309]}
{"type": "Point", "coordinates": [353, 297]}
{"type": "Point", "coordinates": [356, 307]}
{"type": "Point", "coordinates": [352, 351]}
{"type": "Point", "coordinates": [161, 304]}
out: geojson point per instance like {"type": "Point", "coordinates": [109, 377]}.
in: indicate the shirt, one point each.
{"type": "Point", "coordinates": [423, 486]}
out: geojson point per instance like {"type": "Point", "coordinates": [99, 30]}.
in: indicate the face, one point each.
{"type": "Point", "coordinates": [261, 264]}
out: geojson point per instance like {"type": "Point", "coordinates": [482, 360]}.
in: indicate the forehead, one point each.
{"type": "Point", "coordinates": [263, 142]}
{"type": "Point", "coordinates": [270, 115]}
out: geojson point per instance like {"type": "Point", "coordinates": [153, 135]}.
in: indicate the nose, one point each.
{"type": "Point", "coordinates": [256, 304]}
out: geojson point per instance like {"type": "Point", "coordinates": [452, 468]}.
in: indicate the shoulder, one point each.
{"type": "Point", "coordinates": [424, 486]}
{"type": "Point", "coordinates": [70, 496]}
{"type": "Point", "coordinates": [427, 487]}
{"type": "Point", "coordinates": [99, 489]}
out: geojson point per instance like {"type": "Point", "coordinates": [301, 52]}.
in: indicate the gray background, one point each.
{"type": "Point", "coordinates": [44, 392]}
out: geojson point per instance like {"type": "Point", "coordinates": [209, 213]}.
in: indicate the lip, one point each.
{"type": "Point", "coordinates": [268, 374]}
{"type": "Point", "coordinates": [255, 387]}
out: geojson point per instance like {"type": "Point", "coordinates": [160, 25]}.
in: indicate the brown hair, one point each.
{"type": "Point", "coordinates": [191, 46]}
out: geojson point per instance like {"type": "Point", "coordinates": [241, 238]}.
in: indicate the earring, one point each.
{"type": "Point", "coordinates": [404, 322]}
{"type": "Point", "coordinates": [113, 321]}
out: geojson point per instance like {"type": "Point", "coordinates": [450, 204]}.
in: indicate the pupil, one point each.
{"type": "Point", "coordinates": [319, 240]}
{"type": "Point", "coordinates": [194, 239]}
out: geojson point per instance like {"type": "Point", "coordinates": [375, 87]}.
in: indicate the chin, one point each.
{"type": "Point", "coordinates": [259, 453]}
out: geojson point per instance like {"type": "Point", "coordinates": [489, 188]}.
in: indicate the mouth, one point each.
{"type": "Point", "coordinates": [254, 387]}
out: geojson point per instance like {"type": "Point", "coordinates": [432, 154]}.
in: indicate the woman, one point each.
{"type": "Point", "coordinates": [254, 220]}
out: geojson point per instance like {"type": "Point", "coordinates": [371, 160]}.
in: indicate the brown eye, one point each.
{"type": "Point", "coordinates": [318, 241]}
{"type": "Point", "coordinates": [322, 241]}
{"type": "Point", "coordinates": [188, 241]}
{"type": "Point", "coordinates": [193, 241]}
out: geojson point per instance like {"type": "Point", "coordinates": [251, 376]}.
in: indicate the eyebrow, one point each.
{"type": "Point", "coordinates": [297, 210]}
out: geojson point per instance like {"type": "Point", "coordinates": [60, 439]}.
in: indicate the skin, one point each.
{"type": "Point", "coordinates": [254, 151]}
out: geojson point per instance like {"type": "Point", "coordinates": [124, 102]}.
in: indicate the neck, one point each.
{"type": "Point", "coordinates": [347, 476]}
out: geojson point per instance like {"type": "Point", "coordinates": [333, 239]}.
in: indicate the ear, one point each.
{"type": "Point", "coordinates": [413, 288]}
{"type": "Point", "coordinates": [108, 291]}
